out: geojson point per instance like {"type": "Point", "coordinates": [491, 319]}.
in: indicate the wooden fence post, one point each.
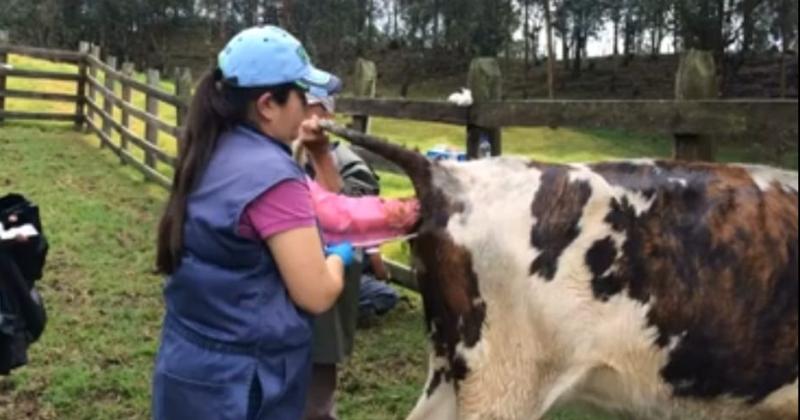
{"type": "Point", "coordinates": [365, 83]}
{"type": "Point", "coordinates": [485, 80]}
{"type": "Point", "coordinates": [94, 51]}
{"type": "Point", "coordinates": [696, 80]}
{"type": "Point", "coordinates": [4, 39]}
{"type": "Point", "coordinates": [151, 130]}
{"type": "Point", "coordinates": [183, 90]}
{"type": "Point", "coordinates": [80, 105]}
{"type": "Point", "coordinates": [127, 70]}
{"type": "Point", "coordinates": [108, 105]}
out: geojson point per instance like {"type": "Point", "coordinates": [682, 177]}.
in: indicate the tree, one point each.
{"type": "Point", "coordinates": [614, 8]}
{"type": "Point", "coordinates": [551, 56]}
{"type": "Point", "coordinates": [655, 21]}
{"type": "Point", "coordinates": [784, 30]}
{"type": "Point", "coordinates": [532, 27]}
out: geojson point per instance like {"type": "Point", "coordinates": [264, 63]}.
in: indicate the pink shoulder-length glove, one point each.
{"type": "Point", "coordinates": [362, 220]}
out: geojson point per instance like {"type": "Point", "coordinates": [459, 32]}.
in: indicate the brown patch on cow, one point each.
{"type": "Point", "coordinates": [439, 375]}
{"type": "Point", "coordinates": [454, 310]}
{"type": "Point", "coordinates": [449, 287]}
{"type": "Point", "coordinates": [717, 258]}
{"type": "Point", "coordinates": [557, 207]}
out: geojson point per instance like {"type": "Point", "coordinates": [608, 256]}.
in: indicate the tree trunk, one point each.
{"type": "Point", "coordinates": [784, 82]}
{"type": "Point", "coordinates": [578, 44]}
{"type": "Point", "coordinates": [222, 16]}
{"type": "Point", "coordinates": [576, 64]}
{"type": "Point", "coordinates": [435, 23]}
{"type": "Point", "coordinates": [655, 48]}
{"type": "Point", "coordinates": [535, 38]}
{"type": "Point", "coordinates": [285, 17]}
{"type": "Point", "coordinates": [676, 28]}
{"type": "Point", "coordinates": [748, 25]}
{"type": "Point", "coordinates": [526, 34]}
{"type": "Point", "coordinates": [628, 41]}
{"type": "Point", "coordinates": [719, 35]}
{"type": "Point", "coordinates": [786, 28]}
{"type": "Point", "coordinates": [252, 12]}
{"type": "Point", "coordinates": [396, 18]}
{"type": "Point", "coordinates": [508, 39]}
{"type": "Point", "coordinates": [616, 37]}
{"type": "Point", "coordinates": [551, 56]}
{"type": "Point", "coordinates": [370, 12]}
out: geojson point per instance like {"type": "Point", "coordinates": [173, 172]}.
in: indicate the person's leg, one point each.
{"type": "Point", "coordinates": [377, 297]}
{"type": "Point", "coordinates": [321, 400]}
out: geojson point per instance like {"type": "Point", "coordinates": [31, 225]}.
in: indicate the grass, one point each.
{"type": "Point", "coordinates": [105, 307]}
{"type": "Point", "coordinates": [95, 358]}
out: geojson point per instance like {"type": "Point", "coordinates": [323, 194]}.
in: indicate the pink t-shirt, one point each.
{"type": "Point", "coordinates": [359, 220]}
{"type": "Point", "coordinates": [284, 207]}
{"type": "Point", "coordinates": [364, 221]}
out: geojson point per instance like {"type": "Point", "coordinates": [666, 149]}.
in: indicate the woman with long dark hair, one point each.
{"type": "Point", "coordinates": [238, 241]}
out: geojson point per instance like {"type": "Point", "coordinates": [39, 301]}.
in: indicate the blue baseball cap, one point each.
{"type": "Point", "coordinates": [268, 56]}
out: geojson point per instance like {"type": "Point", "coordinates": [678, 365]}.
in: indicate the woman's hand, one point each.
{"type": "Point", "coordinates": [313, 137]}
{"type": "Point", "coordinates": [344, 251]}
{"type": "Point", "coordinates": [402, 214]}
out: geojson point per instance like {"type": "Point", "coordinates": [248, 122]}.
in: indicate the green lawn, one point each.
{"type": "Point", "coordinates": [105, 308]}
{"type": "Point", "coordinates": [95, 358]}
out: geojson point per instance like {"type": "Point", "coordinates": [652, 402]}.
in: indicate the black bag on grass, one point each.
{"type": "Point", "coordinates": [22, 313]}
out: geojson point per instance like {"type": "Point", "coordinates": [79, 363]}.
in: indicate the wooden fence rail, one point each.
{"type": "Point", "coordinates": [104, 105]}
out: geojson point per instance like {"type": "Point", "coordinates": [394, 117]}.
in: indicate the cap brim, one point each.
{"type": "Point", "coordinates": [318, 79]}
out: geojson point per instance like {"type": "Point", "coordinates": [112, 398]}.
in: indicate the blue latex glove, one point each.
{"type": "Point", "coordinates": [343, 250]}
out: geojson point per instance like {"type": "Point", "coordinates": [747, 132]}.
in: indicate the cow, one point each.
{"type": "Point", "coordinates": [653, 289]}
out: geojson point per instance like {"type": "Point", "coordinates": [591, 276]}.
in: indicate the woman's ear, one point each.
{"type": "Point", "coordinates": [265, 106]}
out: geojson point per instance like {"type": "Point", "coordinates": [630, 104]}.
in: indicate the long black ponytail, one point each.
{"type": "Point", "coordinates": [216, 107]}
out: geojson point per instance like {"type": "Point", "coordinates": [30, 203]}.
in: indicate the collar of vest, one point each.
{"type": "Point", "coordinates": [258, 133]}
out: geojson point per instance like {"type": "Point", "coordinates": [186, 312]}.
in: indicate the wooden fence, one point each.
{"type": "Point", "coordinates": [104, 90]}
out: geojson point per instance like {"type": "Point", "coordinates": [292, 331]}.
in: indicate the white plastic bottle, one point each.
{"type": "Point", "coordinates": [485, 147]}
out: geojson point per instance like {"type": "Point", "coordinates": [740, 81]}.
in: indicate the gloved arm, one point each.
{"type": "Point", "coordinates": [344, 251]}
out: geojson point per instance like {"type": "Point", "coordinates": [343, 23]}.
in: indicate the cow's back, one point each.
{"type": "Point", "coordinates": [715, 256]}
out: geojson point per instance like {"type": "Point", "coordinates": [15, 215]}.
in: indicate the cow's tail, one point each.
{"type": "Point", "coordinates": [415, 165]}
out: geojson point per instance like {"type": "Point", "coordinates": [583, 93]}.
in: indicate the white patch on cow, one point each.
{"type": "Point", "coordinates": [675, 341]}
{"type": "Point", "coordinates": [782, 402]}
{"type": "Point", "coordinates": [431, 329]}
{"type": "Point", "coordinates": [636, 199]}
{"type": "Point", "coordinates": [475, 355]}
{"type": "Point", "coordinates": [643, 161]}
{"type": "Point", "coordinates": [442, 403]}
{"type": "Point", "coordinates": [640, 203]}
{"type": "Point", "coordinates": [680, 181]}
{"type": "Point", "coordinates": [766, 176]}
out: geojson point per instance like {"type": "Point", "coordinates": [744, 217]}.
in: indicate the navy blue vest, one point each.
{"type": "Point", "coordinates": [227, 287]}
{"type": "Point", "coordinates": [234, 346]}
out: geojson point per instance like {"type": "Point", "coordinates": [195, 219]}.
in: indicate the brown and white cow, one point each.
{"type": "Point", "coordinates": [661, 290]}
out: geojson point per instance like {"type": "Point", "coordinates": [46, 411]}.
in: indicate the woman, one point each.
{"type": "Point", "coordinates": [363, 220]}
{"type": "Point", "coordinates": [239, 244]}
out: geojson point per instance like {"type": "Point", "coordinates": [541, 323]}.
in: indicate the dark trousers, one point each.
{"type": "Point", "coordinates": [321, 399]}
